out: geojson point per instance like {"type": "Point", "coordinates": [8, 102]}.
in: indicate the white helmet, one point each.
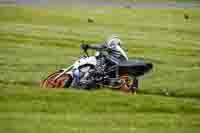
{"type": "Point", "coordinates": [113, 42]}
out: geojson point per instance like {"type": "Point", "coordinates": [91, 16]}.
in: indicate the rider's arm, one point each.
{"type": "Point", "coordinates": [98, 46]}
{"type": "Point", "coordinates": [94, 46]}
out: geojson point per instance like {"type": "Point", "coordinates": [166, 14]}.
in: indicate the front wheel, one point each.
{"type": "Point", "coordinates": [57, 80]}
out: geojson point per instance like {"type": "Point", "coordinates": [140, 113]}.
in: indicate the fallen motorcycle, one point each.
{"type": "Point", "coordinates": [101, 70]}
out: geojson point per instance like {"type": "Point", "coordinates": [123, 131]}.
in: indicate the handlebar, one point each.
{"type": "Point", "coordinates": [84, 48]}
{"type": "Point", "coordinates": [85, 51]}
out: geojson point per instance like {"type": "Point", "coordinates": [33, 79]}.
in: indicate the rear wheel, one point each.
{"type": "Point", "coordinates": [56, 80]}
{"type": "Point", "coordinates": [130, 84]}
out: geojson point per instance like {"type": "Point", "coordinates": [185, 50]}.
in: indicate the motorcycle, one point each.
{"type": "Point", "coordinates": [92, 72]}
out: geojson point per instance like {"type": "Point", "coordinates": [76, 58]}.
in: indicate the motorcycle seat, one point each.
{"type": "Point", "coordinates": [137, 66]}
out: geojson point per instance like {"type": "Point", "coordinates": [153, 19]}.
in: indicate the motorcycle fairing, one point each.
{"type": "Point", "coordinates": [83, 61]}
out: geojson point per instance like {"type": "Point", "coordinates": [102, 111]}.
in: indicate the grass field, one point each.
{"type": "Point", "coordinates": [164, 0]}
{"type": "Point", "coordinates": [35, 42]}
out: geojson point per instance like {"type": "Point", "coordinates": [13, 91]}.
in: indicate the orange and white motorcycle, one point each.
{"type": "Point", "coordinates": [101, 70]}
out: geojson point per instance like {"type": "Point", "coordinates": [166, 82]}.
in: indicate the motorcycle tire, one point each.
{"type": "Point", "coordinates": [130, 84]}
{"type": "Point", "coordinates": [52, 81]}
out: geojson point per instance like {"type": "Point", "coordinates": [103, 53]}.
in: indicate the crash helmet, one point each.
{"type": "Point", "coordinates": [113, 42]}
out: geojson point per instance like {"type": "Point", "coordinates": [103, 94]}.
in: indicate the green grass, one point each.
{"type": "Point", "coordinates": [162, 0]}
{"type": "Point", "coordinates": [158, 1]}
{"type": "Point", "coordinates": [35, 42]}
